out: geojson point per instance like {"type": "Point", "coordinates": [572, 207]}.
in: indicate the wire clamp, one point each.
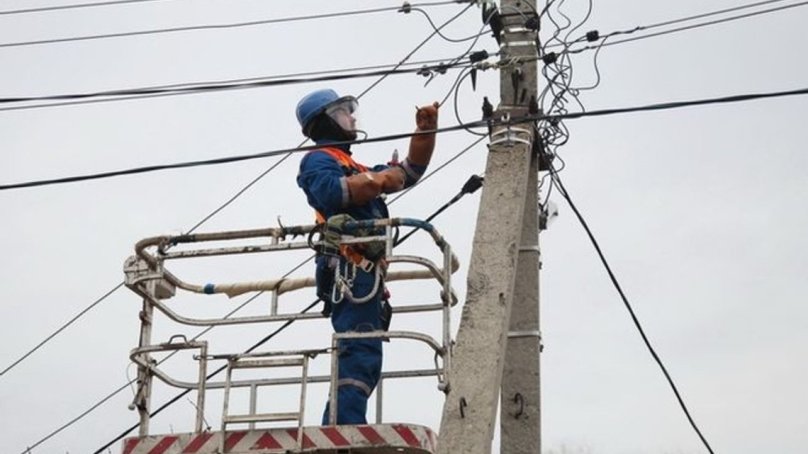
{"type": "Point", "coordinates": [508, 62]}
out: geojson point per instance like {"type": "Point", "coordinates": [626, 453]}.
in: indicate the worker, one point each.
{"type": "Point", "coordinates": [336, 186]}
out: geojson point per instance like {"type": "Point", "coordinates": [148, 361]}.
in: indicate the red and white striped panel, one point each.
{"type": "Point", "coordinates": [377, 439]}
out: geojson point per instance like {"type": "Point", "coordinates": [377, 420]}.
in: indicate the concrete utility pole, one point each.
{"type": "Point", "coordinates": [493, 351]}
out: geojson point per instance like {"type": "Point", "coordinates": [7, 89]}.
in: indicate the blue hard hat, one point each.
{"type": "Point", "coordinates": [314, 104]}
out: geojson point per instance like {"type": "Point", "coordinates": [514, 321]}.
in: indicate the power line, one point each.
{"type": "Point", "coordinates": [426, 67]}
{"type": "Point", "coordinates": [168, 90]}
{"type": "Point", "coordinates": [214, 26]}
{"type": "Point", "coordinates": [73, 6]}
{"type": "Point", "coordinates": [222, 160]}
{"type": "Point", "coordinates": [531, 118]}
{"type": "Point", "coordinates": [711, 13]}
{"type": "Point", "coordinates": [678, 20]}
{"type": "Point", "coordinates": [680, 104]}
{"type": "Point", "coordinates": [422, 63]}
{"type": "Point", "coordinates": [61, 328]}
{"type": "Point", "coordinates": [635, 320]}
{"type": "Point", "coordinates": [685, 28]}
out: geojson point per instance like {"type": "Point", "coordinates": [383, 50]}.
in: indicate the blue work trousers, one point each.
{"type": "Point", "coordinates": [360, 360]}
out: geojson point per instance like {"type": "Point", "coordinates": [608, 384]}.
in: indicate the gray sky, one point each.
{"type": "Point", "coordinates": [699, 211]}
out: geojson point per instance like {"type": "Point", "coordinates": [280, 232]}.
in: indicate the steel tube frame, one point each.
{"type": "Point", "coordinates": [147, 279]}
{"type": "Point", "coordinates": [141, 357]}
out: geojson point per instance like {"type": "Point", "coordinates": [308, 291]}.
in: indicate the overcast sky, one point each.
{"type": "Point", "coordinates": [699, 210]}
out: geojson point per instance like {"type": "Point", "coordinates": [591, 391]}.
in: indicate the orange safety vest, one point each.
{"type": "Point", "coordinates": [346, 161]}
{"type": "Point", "coordinates": [351, 167]}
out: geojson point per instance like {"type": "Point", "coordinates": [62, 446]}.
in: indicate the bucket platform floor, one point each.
{"type": "Point", "coordinates": [347, 439]}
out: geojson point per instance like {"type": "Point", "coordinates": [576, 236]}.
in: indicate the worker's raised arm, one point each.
{"type": "Point", "coordinates": [369, 185]}
{"type": "Point", "coordinates": [421, 145]}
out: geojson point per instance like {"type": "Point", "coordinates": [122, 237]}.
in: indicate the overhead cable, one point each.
{"type": "Point", "coordinates": [680, 104]}
{"type": "Point", "coordinates": [563, 190]}
{"type": "Point", "coordinates": [711, 13]}
{"type": "Point", "coordinates": [42, 9]}
{"type": "Point", "coordinates": [61, 328]}
{"type": "Point", "coordinates": [516, 120]}
{"type": "Point", "coordinates": [226, 86]}
{"type": "Point", "coordinates": [428, 67]}
{"type": "Point", "coordinates": [222, 160]}
{"type": "Point", "coordinates": [213, 26]}
{"type": "Point", "coordinates": [683, 28]}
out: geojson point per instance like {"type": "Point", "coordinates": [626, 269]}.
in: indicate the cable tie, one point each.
{"type": "Point", "coordinates": [481, 55]}
{"type": "Point", "coordinates": [512, 61]}
{"type": "Point", "coordinates": [406, 8]}
{"type": "Point", "coordinates": [592, 35]}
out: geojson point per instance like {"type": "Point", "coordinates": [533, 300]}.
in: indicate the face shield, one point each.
{"type": "Point", "coordinates": [343, 112]}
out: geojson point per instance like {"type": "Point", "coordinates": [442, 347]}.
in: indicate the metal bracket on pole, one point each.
{"type": "Point", "coordinates": [510, 135]}
{"type": "Point", "coordinates": [518, 334]}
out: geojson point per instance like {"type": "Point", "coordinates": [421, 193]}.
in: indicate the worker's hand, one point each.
{"type": "Point", "coordinates": [366, 186]}
{"type": "Point", "coordinates": [393, 179]}
{"type": "Point", "coordinates": [426, 118]}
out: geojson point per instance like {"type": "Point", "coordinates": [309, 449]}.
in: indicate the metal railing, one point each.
{"type": "Point", "coordinates": [148, 276]}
